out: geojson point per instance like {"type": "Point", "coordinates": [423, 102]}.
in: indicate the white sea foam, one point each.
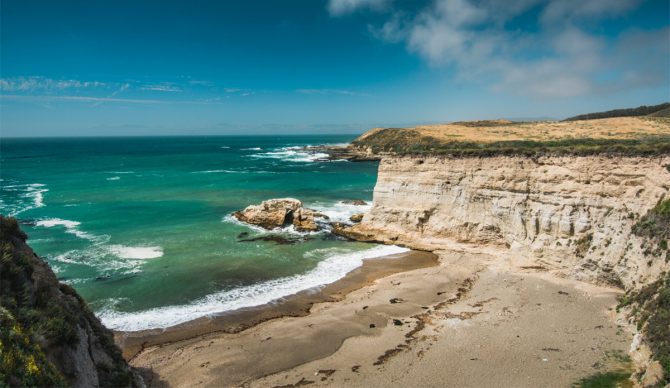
{"type": "Point", "coordinates": [224, 147]}
{"type": "Point", "coordinates": [292, 154]}
{"type": "Point", "coordinates": [136, 253]}
{"type": "Point", "coordinates": [113, 178]}
{"type": "Point", "coordinates": [340, 211]}
{"type": "Point", "coordinates": [70, 227]}
{"type": "Point", "coordinates": [32, 196]}
{"type": "Point", "coordinates": [51, 222]}
{"type": "Point", "coordinates": [290, 229]}
{"type": "Point", "coordinates": [251, 149]}
{"type": "Point", "coordinates": [105, 258]}
{"type": "Point", "coordinates": [330, 269]}
{"type": "Point", "coordinates": [220, 171]}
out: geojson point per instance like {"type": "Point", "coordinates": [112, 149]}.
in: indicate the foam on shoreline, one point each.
{"type": "Point", "coordinates": [329, 270]}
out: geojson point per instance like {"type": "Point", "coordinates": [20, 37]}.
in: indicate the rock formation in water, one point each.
{"type": "Point", "coordinates": [280, 212]}
{"type": "Point", "coordinates": [48, 336]}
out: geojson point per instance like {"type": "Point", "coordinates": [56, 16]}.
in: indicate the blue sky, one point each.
{"type": "Point", "coordinates": [120, 67]}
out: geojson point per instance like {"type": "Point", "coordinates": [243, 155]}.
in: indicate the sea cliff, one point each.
{"type": "Point", "coordinates": [572, 214]}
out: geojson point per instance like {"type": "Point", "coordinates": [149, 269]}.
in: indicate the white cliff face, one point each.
{"type": "Point", "coordinates": [569, 213]}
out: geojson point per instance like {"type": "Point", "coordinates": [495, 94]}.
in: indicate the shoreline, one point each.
{"type": "Point", "coordinates": [295, 305]}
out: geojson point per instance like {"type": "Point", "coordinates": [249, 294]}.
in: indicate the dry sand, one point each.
{"type": "Point", "coordinates": [474, 320]}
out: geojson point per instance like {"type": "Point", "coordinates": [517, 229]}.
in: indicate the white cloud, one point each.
{"type": "Point", "coordinates": [47, 98]}
{"type": "Point", "coordinates": [330, 92]}
{"type": "Point", "coordinates": [559, 60]}
{"type": "Point", "coordinates": [35, 83]}
{"type": "Point", "coordinates": [342, 7]}
{"type": "Point", "coordinates": [162, 87]}
{"type": "Point", "coordinates": [559, 11]}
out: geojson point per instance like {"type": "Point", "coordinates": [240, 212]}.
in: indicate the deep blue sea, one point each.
{"type": "Point", "coordinates": [140, 226]}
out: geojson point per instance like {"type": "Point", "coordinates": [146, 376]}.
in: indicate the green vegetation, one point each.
{"type": "Point", "coordinates": [651, 307]}
{"type": "Point", "coordinates": [411, 142]}
{"type": "Point", "coordinates": [22, 359]}
{"type": "Point", "coordinates": [605, 380]}
{"type": "Point", "coordinates": [617, 373]}
{"type": "Point", "coordinates": [655, 226]}
{"type": "Point", "coordinates": [583, 244]}
{"type": "Point", "coordinates": [38, 315]}
{"type": "Point", "coordinates": [639, 111]}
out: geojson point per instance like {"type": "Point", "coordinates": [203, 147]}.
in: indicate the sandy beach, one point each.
{"type": "Point", "coordinates": [472, 320]}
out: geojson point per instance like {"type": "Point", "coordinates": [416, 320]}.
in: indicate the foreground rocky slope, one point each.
{"type": "Point", "coordinates": [48, 336]}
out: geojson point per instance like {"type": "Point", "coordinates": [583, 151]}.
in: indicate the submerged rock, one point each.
{"type": "Point", "coordinates": [277, 238]}
{"type": "Point", "coordinates": [276, 213]}
{"type": "Point", "coordinates": [357, 202]}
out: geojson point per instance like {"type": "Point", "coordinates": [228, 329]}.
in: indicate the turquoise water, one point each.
{"type": "Point", "coordinates": [140, 226]}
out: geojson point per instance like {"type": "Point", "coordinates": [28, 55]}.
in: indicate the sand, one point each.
{"type": "Point", "coordinates": [476, 319]}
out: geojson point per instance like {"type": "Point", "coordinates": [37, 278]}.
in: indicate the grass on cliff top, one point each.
{"type": "Point", "coordinates": [625, 136]}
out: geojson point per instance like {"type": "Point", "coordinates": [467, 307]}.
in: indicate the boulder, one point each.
{"type": "Point", "coordinates": [358, 217]}
{"type": "Point", "coordinates": [270, 214]}
{"type": "Point", "coordinates": [276, 213]}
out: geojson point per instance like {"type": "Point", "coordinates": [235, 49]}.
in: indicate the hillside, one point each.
{"type": "Point", "coordinates": [622, 135]}
{"type": "Point", "coordinates": [48, 336]}
{"type": "Point", "coordinates": [661, 110]}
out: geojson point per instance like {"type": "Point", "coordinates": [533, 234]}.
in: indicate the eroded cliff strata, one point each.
{"type": "Point", "coordinates": [571, 214]}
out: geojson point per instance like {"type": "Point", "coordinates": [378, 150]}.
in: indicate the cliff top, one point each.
{"type": "Point", "coordinates": [489, 131]}
{"type": "Point", "coordinates": [619, 134]}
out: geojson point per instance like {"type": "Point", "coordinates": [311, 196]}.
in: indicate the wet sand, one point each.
{"type": "Point", "coordinates": [473, 320]}
{"type": "Point", "coordinates": [291, 306]}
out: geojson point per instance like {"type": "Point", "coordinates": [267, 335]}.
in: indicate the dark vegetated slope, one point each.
{"type": "Point", "coordinates": [643, 110]}
{"type": "Point", "coordinates": [48, 336]}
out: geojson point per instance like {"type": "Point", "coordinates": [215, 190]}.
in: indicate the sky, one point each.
{"type": "Point", "coordinates": [178, 67]}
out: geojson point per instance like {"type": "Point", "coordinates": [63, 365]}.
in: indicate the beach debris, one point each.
{"type": "Point", "coordinates": [563, 293]}
{"type": "Point", "coordinates": [397, 322]}
{"type": "Point", "coordinates": [355, 368]}
{"type": "Point", "coordinates": [365, 307]}
{"type": "Point", "coordinates": [325, 372]}
{"type": "Point", "coordinates": [396, 300]}
{"type": "Point", "coordinates": [372, 326]}
{"type": "Point", "coordinates": [303, 381]}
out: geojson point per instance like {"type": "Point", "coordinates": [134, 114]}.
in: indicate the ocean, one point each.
{"type": "Point", "coordinates": [141, 226]}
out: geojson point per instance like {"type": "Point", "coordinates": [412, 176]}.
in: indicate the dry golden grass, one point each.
{"type": "Point", "coordinates": [618, 128]}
